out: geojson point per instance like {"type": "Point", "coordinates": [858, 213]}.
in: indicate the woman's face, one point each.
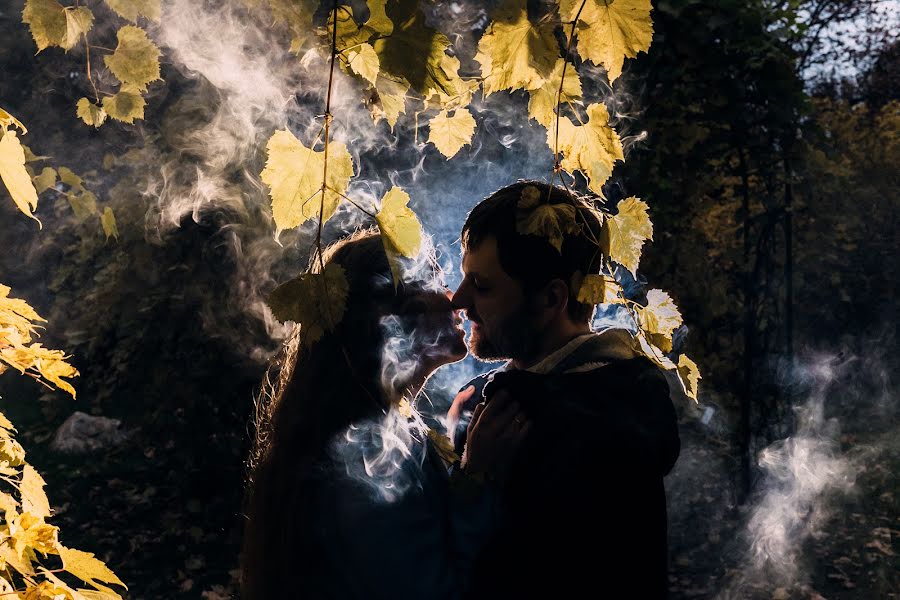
{"type": "Point", "coordinates": [434, 328]}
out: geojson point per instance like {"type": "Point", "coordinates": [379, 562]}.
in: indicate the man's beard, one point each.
{"type": "Point", "coordinates": [515, 337]}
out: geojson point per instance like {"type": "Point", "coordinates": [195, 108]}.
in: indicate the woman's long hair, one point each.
{"type": "Point", "coordinates": [308, 396]}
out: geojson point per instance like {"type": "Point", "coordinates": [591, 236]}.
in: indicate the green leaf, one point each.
{"type": "Point", "coordinates": [125, 106]}
{"type": "Point", "coordinates": [108, 222]}
{"type": "Point", "coordinates": [45, 181]}
{"type": "Point", "coordinates": [47, 21]}
{"type": "Point", "coordinates": [78, 22]}
{"type": "Point", "coordinates": [90, 113]}
{"type": "Point", "coordinates": [132, 9]}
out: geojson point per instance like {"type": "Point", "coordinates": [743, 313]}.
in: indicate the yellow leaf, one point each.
{"type": "Point", "coordinates": [315, 300]}
{"type": "Point", "coordinates": [592, 148]}
{"type": "Point", "coordinates": [414, 53]}
{"type": "Point", "coordinates": [7, 120]}
{"type": "Point", "coordinates": [401, 232]}
{"type": "Point", "coordinates": [378, 23]}
{"type": "Point", "coordinates": [515, 53]}
{"type": "Point", "coordinates": [14, 175]}
{"type": "Point", "coordinates": [628, 230]}
{"type": "Point", "coordinates": [689, 374]}
{"type": "Point", "coordinates": [12, 454]}
{"type": "Point", "coordinates": [87, 568]}
{"type": "Point", "coordinates": [34, 500]}
{"type": "Point", "coordinates": [389, 100]}
{"type": "Point", "coordinates": [450, 134]}
{"type": "Point", "coordinates": [135, 61]}
{"type": "Point", "coordinates": [598, 289]}
{"type": "Point", "coordinates": [83, 205]}
{"type": "Point", "coordinates": [68, 177]}
{"type": "Point", "coordinates": [8, 503]}
{"type": "Point", "coordinates": [659, 319]}
{"type": "Point", "coordinates": [47, 21]}
{"type": "Point", "coordinates": [444, 446]}
{"type": "Point", "coordinates": [78, 22]}
{"type": "Point", "coordinates": [108, 222]}
{"type": "Point", "coordinates": [45, 181]}
{"type": "Point", "coordinates": [542, 103]}
{"type": "Point", "coordinates": [536, 217]}
{"type": "Point", "coordinates": [609, 30]}
{"type": "Point", "coordinates": [126, 106]}
{"type": "Point", "coordinates": [6, 423]}
{"type": "Point", "coordinates": [364, 62]}
{"type": "Point", "coordinates": [132, 9]}
{"type": "Point", "coordinates": [293, 173]}
{"type": "Point", "coordinates": [90, 113]}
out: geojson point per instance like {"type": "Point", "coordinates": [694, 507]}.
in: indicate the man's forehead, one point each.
{"type": "Point", "coordinates": [482, 258]}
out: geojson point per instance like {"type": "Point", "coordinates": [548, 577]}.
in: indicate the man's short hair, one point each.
{"type": "Point", "coordinates": [532, 259]}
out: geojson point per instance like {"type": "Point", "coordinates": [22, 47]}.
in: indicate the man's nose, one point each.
{"type": "Point", "coordinates": [459, 298]}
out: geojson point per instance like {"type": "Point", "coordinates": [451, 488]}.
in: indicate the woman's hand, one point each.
{"type": "Point", "coordinates": [494, 435]}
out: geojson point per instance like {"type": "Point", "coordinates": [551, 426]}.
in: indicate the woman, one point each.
{"type": "Point", "coordinates": [331, 511]}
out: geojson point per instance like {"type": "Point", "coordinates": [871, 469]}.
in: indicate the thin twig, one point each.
{"type": "Point", "coordinates": [562, 81]}
{"type": "Point", "coordinates": [351, 201]}
{"type": "Point", "coordinates": [87, 57]}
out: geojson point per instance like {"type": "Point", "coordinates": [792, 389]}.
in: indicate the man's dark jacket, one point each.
{"type": "Point", "coordinates": [582, 512]}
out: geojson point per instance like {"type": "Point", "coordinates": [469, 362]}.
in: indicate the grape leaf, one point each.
{"type": "Point", "coordinates": [689, 374]}
{"type": "Point", "coordinates": [47, 21]}
{"type": "Point", "coordinates": [45, 181]}
{"type": "Point", "coordinates": [90, 113]}
{"type": "Point", "coordinates": [132, 9]}
{"type": "Point", "coordinates": [135, 61]}
{"type": "Point", "coordinates": [515, 53]}
{"type": "Point", "coordinates": [78, 22]}
{"type": "Point", "coordinates": [316, 301]}
{"type": "Point", "coordinates": [363, 61]}
{"type": "Point", "coordinates": [542, 103]}
{"type": "Point", "coordinates": [34, 500]}
{"type": "Point", "coordinates": [126, 106]}
{"type": "Point", "coordinates": [389, 99]}
{"type": "Point", "coordinates": [592, 148]}
{"type": "Point", "coordinates": [414, 53]}
{"type": "Point", "coordinates": [659, 319]}
{"type": "Point", "coordinates": [608, 31]}
{"type": "Point", "coordinates": [628, 230]}
{"type": "Point", "coordinates": [401, 232]}
{"type": "Point", "coordinates": [84, 204]}
{"type": "Point", "coordinates": [68, 177]}
{"type": "Point", "coordinates": [293, 173]}
{"type": "Point", "coordinates": [108, 222]}
{"type": "Point", "coordinates": [7, 120]}
{"type": "Point", "coordinates": [552, 221]}
{"type": "Point", "coordinates": [444, 446]}
{"type": "Point", "coordinates": [14, 175]}
{"type": "Point", "coordinates": [598, 289]}
{"type": "Point", "coordinates": [450, 134]}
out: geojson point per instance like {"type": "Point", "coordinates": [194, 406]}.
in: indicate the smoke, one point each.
{"type": "Point", "coordinates": [805, 478]}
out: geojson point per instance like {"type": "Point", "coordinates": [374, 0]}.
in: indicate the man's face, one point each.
{"type": "Point", "coordinates": [503, 324]}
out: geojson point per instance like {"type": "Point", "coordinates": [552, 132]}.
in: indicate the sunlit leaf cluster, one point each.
{"type": "Point", "coordinates": [24, 183]}
{"type": "Point", "coordinates": [27, 541]}
{"type": "Point", "coordinates": [134, 61]}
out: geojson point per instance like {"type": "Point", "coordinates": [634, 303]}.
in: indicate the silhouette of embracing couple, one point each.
{"type": "Point", "coordinates": [555, 486]}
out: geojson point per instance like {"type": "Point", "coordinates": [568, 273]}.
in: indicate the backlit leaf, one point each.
{"type": "Point", "coordinates": [87, 568]}
{"type": "Point", "coordinates": [592, 148]}
{"type": "Point", "coordinates": [47, 21]}
{"type": "Point", "coordinates": [536, 217]}
{"type": "Point", "coordinates": [628, 230]}
{"type": "Point", "coordinates": [515, 53]}
{"type": "Point", "coordinates": [659, 319]}
{"type": "Point", "coordinates": [609, 31]}
{"type": "Point", "coordinates": [126, 106]}
{"type": "Point", "coordinates": [15, 177]}
{"type": "Point", "coordinates": [90, 113]}
{"type": "Point", "coordinates": [542, 104]}
{"type": "Point", "coordinates": [68, 177]}
{"type": "Point", "coordinates": [293, 173]}
{"type": "Point", "coordinates": [316, 301]}
{"type": "Point", "coordinates": [389, 101]}
{"type": "Point", "coordinates": [690, 377]}
{"type": "Point", "coordinates": [450, 134]}
{"type": "Point", "coordinates": [78, 22]}
{"type": "Point", "coordinates": [34, 500]}
{"type": "Point", "coordinates": [599, 289]}
{"type": "Point", "coordinates": [135, 61]}
{"type": "Point", "coordinates": [108, 222]}
{"type": "Point", "coordinates": [132, 9]}
{"type": "Point", "coordinates": [83, 204]}
{"type": "Point", "coordinates": [364, 62]}
{"type": "Point", "coordinates": [401, 232]}
{"type": "Point", "coordinates": [7, 120]}
{"type": "Point", "coordinates": [45, 181]}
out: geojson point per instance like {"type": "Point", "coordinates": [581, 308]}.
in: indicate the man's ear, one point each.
{"type": "Point", "coordinates": [556, 296]}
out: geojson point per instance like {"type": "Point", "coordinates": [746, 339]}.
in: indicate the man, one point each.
{"type": "Point", "coordinates": [581, 507]}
